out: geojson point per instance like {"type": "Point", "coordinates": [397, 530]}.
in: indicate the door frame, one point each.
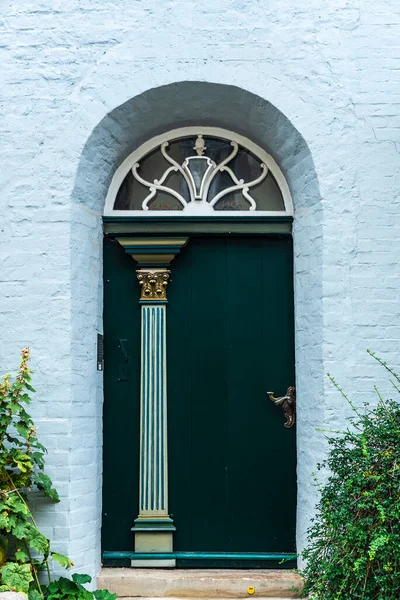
{"type": "Point", "coordinates": [143, 226]}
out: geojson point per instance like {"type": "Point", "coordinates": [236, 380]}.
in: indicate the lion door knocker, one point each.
{"type": "Point", "coordinates": [288, 404]}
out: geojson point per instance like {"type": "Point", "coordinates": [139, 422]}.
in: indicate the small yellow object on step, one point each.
{"type": "Point", "coordinates": [251, 589]}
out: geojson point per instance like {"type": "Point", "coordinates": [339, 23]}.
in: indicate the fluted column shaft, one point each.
{"type": "Point", "coordinates": [153, 527]}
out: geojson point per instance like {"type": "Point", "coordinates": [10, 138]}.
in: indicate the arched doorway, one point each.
{"type": "Point", "coordinates": [198, 466]}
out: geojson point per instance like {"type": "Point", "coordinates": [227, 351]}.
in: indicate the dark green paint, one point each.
{"type": "Point", "coordinates": [230, 340]}
{"type": "Point", "coordinates": [194, 555]}
{"type": "Point", "coordinates": [229, 560]}
{"type": "Point", "coordinates": [213, 225]}
{"type": "Point", "coordinates": [232, 484]}
{"type": "Point", "coordinates": [121, 397]}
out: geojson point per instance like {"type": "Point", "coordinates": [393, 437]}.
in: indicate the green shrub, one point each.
{"type": "Point", "coordinates": [354, 542]}
{"type": "Point", "coordinates": [22, 462]}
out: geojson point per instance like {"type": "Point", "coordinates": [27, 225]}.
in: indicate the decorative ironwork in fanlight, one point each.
{"type": "Point", "coordinates": [199, 171]}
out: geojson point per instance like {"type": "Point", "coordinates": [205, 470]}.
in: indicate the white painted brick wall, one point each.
{"type": "Point", "coordinates": [330, 66]}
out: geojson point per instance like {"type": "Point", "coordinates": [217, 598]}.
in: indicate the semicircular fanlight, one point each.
{"type": "Point", "coordinates": [199, 174]}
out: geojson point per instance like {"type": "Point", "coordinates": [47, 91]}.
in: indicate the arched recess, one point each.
{"type": "Point", "coordinates": [199, 103]}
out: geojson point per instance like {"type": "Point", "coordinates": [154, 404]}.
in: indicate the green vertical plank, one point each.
{"type": "Point", "coordinates": [180, 361]}
{"type": "Point", "coordinates": [121, 398]}
{"type": "Point", "coordinates": [278, 349]}
{"type": "Point", "coordinates": [209, 378]}
{"type": "Point", "coordinates": [247, 442]}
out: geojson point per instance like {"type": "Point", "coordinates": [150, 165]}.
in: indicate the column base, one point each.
{"type": "Point", "coordinates": [153, 535]}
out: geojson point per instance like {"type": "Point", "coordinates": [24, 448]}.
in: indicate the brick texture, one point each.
{"type": "Point", "coordinates": [317, 84]}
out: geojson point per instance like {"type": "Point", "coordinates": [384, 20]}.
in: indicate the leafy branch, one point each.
{"type": "Point", "coordinates": [354, 542]}
{"type": "Point", "coordinates": [22, 462]}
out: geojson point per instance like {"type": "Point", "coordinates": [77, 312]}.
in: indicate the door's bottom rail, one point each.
{"type": "Point", "coordinates": [255, 556]}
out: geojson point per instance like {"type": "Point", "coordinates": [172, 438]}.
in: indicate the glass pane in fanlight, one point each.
{"type": "Point", "coordinates": [198, 167]}
{"type": "Point", "coordinates": [245, 165]}
{"type": "Point", "coordinates": [267, 195]}
{"type": "Point", "coordinates": [132, 193]}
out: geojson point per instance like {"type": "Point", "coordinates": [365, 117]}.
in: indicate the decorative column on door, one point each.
{"type": "Point", "coordinates": [153, 527]}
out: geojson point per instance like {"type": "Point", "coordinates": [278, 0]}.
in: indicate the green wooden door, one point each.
{"type": "Point", "coordinates": [232, 478]}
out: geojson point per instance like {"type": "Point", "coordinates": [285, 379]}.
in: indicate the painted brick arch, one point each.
{"type": "Point", "coordinates": [164, 108]}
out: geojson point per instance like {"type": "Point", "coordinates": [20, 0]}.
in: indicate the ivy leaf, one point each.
{"type": "Point", "coordinates": [22, 480]}
{"type": "Point", "coordinates": [13, 440]}
{"type": "Point", "coordinates": [44, 483]}
{"type": "Point", "coordinates": [67, 586]}
{"type": "Point", "coordinates": [38, 459]}
{"type": "Point", "coordinates": [12, 521]}
{"type": "Point", "coordinates": [24, 416]}
{"type": "Point", "coordinates": [4, 521]}
{"type": "Point", "coordinates": [34, 594]}
{"type": "Point", "coordinates": [17, 505]}
{"type": "Point", "coordinates": [24, 398]}
{"type": "Point", "coordinates": [53, 587]}
{"type": "Point", "coordinates": [21, 556]}
{"type": "Point", "coordinates": [16, 577]}
{"type": "Point", "coordinates": [16, 386]}
{"type": "Point", "coordinates": [62, 560]}
{"type": "Point", "coordinates": [21, 460]}
{"type": "Point", "coordinates": [84, 594]}
{"type": "Point", "coordinates": [22, 428]}
{"type": "Point", "coordinates": [38, 541]}
{"type": "Point", "coordinates": [81, 578]}
{"type": "Point", "coordinates": [31, 389]}
{"type": "Point", "coordinates": [104, 595]}
{"type": "Point", "coordinates": [21, 530]}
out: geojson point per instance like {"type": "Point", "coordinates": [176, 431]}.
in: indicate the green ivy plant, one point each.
{"type": "Point", "coordinates": [65, 589]}
{"type": "Point", "coordinates": [22, 462]}
{"type": "Point", "coordinates": [353, 547]}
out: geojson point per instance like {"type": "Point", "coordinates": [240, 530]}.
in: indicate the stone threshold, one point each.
{"type": "Point", "coordinates": [192, 598]}
{"type": "Point", "coordinates": [197, 584]}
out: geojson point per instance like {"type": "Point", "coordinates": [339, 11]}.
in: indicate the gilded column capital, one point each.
{"type": "Point", "coordinates": [153, 284]}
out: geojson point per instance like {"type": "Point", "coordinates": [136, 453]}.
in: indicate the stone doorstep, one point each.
{"type": "Point", "coordinates": [198, 584]}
